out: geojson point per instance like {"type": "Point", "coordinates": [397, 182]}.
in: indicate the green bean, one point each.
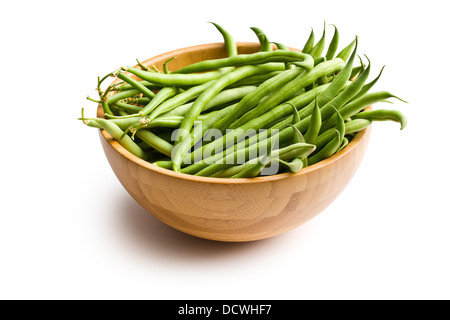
{"type": "Point", "coordinates": [222, 98]}
{"type": "Point", "coordinates": [166, 164]}
{"type": "Point", "coordinates": [124, 140]}
{"type": "Point", "coordinates": [354, 107]}
{"type": "Point", "coordinates": [356, 125]}
{"type": "Point", "coordinates": [257, 79]}
{"type": "Point", "coordinates": [247, 143]}
{"type": "Point", "coordinates": [326, 108]}
{"type": "Point", "coordinates": [203, 99]}
{"type": "Point", "coordinates": [254, 167]}
{"type": "Point", "coordinates": [352, 90]}
{"type": "Point", "coordinates": [102, 94]}
{"type": "Point", "coordinates": [121, 114]}
{"type": "Point", "coordinates": [252, 99]}
{"type": "Point", "coordinates": [122, 95]}
{"type": "Point", "coordinates": [383, 115]}
{"type": "Point", "coordinates": [233, 158]}
{"type": "Point", "coordinates": [343, 145]}
{"type": "Point", "coordinates": [351, 126]}
{"type": "Point", "coordinates": [165, 122]}
{"type": "Point", "coordinates": [177, 79]}
{"type": "Point", "coordinates": [299, 138]}
{"type": "Point", "coordinates": [317, 50]}
{"type": "Point", "coordinates": [213, 164]}
{"type": "Point", "coordinates": [179, 100]}
{"type": "Point", "coordinates": [345, 53]}
{"type": "Point", "coordinates": [263, 40]}
{"type": "Point", "coordinates": [127, 107]}
{"type": "Point", "coordinates": [328, 150]}
{"type": "Point", "coordinates": [123, 124]}
{"type": "Point", "coordinates": [281, 46]}
{"type": "Point", "coordinates": [293, 151]}
{"type": "Point", "coordinates": [126, 86]}
{"type": "Point", "coordinates": [309, 43]}
{"type": "Point", "coordinates": [302, 60]}
{"type": "Point", "coordinates": [324, 137]}
{"type": "Point", "coordinates": [145, 68]}
{"type": "Point", "coordinates": [340, 126]}
{"type": "Point", "coordinates": [161, 96]}
{"type": "Point", "coordinates": [338, 81]}
{"type": "Point", "coordinates": [230, 44]}
{"type": "Point", "coordinates": [165, 68]}
{"type": "Point", "coordinates": [295, 113]}
{"type": "Point", "coordinates": [138, 101]}
{"type": "Point", "coordinates": [367, 86]}
{"type": "Point", "coordinates": [136, 84]}
{"type": "Point", "coordinates": [315, 124]}
{"type": "Point", "coordinates": [294, 166]}
{"type": "Point", "coordinates": [355, 71]}
{"type": "Point", "coordinates": [332, 47]}
{"type": "Point", "coordinates": [206, 123]}
{"type": "Point", "coordinates": [155, 142]}
{"type": "Point", "coordinates": [251, 170]}
{"type": "Point", "coordinates": [290, 88]}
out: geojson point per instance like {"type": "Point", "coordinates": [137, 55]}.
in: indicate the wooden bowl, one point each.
{"type": "Point", "coordinates": [232, 209]}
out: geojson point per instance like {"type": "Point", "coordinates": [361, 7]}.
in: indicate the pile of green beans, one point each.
{"type": "Point", "coordinates": [246, 115]}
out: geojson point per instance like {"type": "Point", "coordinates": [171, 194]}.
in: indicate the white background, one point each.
{"type": "Point", "coordinates": [69, 230]}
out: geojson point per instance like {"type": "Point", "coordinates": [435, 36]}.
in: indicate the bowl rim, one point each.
{"type": "Point", "coordinates": [354, 143]}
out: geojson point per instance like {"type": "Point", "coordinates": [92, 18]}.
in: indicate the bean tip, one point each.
{"type": "Point", "coordinates": [403, 123]}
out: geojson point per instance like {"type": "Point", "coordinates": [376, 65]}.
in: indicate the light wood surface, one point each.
{"type": "Point", "coordinates": [232, 209]}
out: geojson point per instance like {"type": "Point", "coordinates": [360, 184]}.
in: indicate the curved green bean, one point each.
{"type": "Point", "coordinates": [155, 142]}
{"type": "Point", "coordinates": [293, 151]}
{"type": "Point", "coordinates": [136, 84]}
{"type": "Point", "coordinates": [302, 60]}
{"type": "Point", "coordinates": [263, 40]}
{"type": "Point", "coordinates": [332, 47]}
{"type": "Point", "coordinates": [354, 107]}
{"type": "Point", "coordinates": [309, 43]}
{"type": "Point", "coordinates": [252, 168]}
{"type": "Point", "coordinates": [230, 44]}
{"type": "Point", "coordinates": [124, 140]}
{"type": "Point", "coordinates": [356, 125]}
{"type": "Point", "coordinates": [318, 48]}
{"type": "Point", "coordinates": [179, 100]}
{"type": "Point", "coordinates": [162, 95]}
{"type": "Point", "coordinates": [328, 150]}
{"type": "Point", "coordinates": [176, 80]}
{"type": "Point", "coordinates": [345, 53]}
{"type": "Point", "coordinates": [222, 98]}
{"type": "Point", "coordinates": [123, 123]}
{"type": "Point", "coordinates": [314, 126]}
{"type": "Point", "coordinates": [367, 86]}
{"type": "Point", "coordinates": [383, 115]}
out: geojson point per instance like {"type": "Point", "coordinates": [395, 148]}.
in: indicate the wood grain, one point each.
{"type": "Point", "coordinates": [232, 209]}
